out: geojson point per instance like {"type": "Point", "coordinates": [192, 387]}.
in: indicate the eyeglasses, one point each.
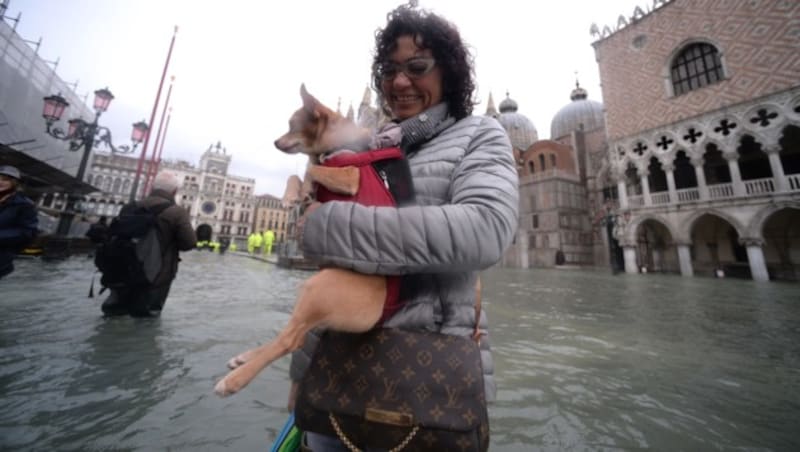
{"type": "Point", "coordinates": [413, 68]}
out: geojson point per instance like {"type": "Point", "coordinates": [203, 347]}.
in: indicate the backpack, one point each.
{"type": "Point", "coordinates": [131, 254]}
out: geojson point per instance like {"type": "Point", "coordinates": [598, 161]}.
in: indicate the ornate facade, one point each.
{"type": "Point", "coordinates": [703, 111]}
{"type": "Point", "coordinates": [697, 167]}
{"type": "Point", "coordinates": [217, 201]}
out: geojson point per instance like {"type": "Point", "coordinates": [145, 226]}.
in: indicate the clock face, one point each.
{"type": "Point", "coordinates": [208, 207]}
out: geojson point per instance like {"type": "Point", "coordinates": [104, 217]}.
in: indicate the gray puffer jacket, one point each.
{"type": "Point", "coordinates": [465, 217]}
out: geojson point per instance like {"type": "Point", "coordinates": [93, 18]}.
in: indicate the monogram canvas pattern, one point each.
{"type": "Point", "coordinates": [381, 384]}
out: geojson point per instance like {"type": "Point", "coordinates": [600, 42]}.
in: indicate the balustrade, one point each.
{"type": "Point", "coordinates": [759, 186]}
{"type": "Point", "coordinates": [660, 198]}
{"type": "Point", "coordinates": [688, 194]}
{"type": "Point", "coordinates": [720, 191]}
{"type": "Point", "coordinates": [794, 181]}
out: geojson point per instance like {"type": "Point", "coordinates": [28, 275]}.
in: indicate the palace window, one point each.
{"type": "Point", "coordinates": [697, 65]}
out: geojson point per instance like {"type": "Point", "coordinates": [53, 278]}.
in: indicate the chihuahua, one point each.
{"type": "Point", "coordinates": [335, 299]}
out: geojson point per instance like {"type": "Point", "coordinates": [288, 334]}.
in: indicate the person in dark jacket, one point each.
{"type": "Point", "coordinates": [98, 232]}
{"type": "Point", "coordinates": [18, 220]}
{"type": "Point", "coordinates": [176, 234]}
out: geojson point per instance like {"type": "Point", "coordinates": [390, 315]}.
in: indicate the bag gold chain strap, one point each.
{"type": "Point", "coordinates": [353, 447]}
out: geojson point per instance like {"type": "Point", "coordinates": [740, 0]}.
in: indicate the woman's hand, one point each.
{"type": "Point", "coordinates": [301, 222]}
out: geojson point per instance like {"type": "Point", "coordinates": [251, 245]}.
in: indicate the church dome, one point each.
{"type": "Point", "coordinates": [519, 128]}
{"type": "Point", "coordinates": [581, 111]}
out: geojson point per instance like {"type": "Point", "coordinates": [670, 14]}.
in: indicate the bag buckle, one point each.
{"type": "Point", "coordinates": [389, 417]}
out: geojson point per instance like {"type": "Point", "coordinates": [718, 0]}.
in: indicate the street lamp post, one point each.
{"type": "Point", "coordinates": [83, 135]}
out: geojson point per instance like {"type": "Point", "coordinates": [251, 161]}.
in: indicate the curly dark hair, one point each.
{"type": "Point", "coordinates": [442, 38]}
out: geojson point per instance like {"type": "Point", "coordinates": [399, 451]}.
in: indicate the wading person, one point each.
{"type": "Point", "coordinates": [18, 218]}
{"type": "Point", "coordinates": [465, 184]}
{"type": "Point", "coordinates": [174, 232]}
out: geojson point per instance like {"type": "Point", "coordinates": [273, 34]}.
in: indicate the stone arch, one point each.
{"type": "Point", "coordinates": [628, 234]}
{"type": "Point", "coordinates": [688, 223]}
{"type": "Point", "coordinates": [204, 232]}
{"type": "Point", "coordinates": [756, 135]}
{"type": "Point", "coordinates": [753, 160]}
{"type": "Point", "coordinates": [779, 230]}
{"type": "Point", "coordinates": [755, 228]}
{"type": "Point", "coordinates": [716, 245]}
{"type": "Point", "coordinates": [655, 247]}
{"type": "Point", "coordinates": [702, 145]}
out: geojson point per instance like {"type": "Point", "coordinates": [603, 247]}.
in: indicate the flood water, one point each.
{"type": "Point", "coordinates": [585, 361]}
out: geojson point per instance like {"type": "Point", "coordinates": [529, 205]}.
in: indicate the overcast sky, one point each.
{"type": "Point", "coordinates": [238, 64]}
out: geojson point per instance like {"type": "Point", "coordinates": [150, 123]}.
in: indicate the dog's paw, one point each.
{"type": "Point", "coordinates": [221, 389]}
{"type": "Point", "coordinates": [236, 361]}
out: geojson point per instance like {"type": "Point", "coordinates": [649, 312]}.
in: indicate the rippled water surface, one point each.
{"type": "Point", "coordinates": [584, 361]}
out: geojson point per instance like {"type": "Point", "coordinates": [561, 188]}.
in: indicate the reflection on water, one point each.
{"type": "Point", "coordinates": [584, 361]}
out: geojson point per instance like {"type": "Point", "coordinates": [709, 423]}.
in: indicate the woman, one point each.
{"type": "Point", "coordinates": [465, 183]}
{"type": "Point", "coordinates": [18, 220]}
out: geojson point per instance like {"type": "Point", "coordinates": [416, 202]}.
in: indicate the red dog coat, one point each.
{"type": "Point", "coordinates": [380, 184]}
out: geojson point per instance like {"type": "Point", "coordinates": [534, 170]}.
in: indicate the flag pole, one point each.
{"type": "Point", "coordinates": [135, 187]}
{"type": "Point", "coordinates": [151, 171]}
{"type": "Point", "coordinates": [163, 139]}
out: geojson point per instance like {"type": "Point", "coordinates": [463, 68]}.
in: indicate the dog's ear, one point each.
{"type": "Point", "coordinates": [310, 103]}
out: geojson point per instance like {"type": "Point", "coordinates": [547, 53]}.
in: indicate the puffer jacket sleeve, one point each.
{"type": "Point", "coordinates": [470, 231]}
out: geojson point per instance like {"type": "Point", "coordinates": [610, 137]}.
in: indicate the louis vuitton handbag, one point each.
{"type": "Point", "coordinates": [396, 390]}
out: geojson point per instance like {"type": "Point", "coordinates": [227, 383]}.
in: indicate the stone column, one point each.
{"type": "Point", "coordinates": [700, 174]}
{"type": "Point", "coordinates": [736, 176]}
{"type": "Point", "coordinates": [781, 184]}
{"type": "Point", "coordinates": [646, 188]}
{"type": "Point", "coordinates": [523, 249]}
{"type": "Point", "coordinates": [755, 256]}
{"type": "Point", "coordinates": [685, 259]}
{"type": "Point", "coordinates": [622, 192]}
{"type": "Point", "coordinates": [669, 169]}
{"type": "Point", "coordinates": [629, 251]}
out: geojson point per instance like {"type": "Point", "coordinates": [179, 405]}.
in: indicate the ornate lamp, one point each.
{"type": "Point", "coordinates": [53, 108]}
{"type": "Point", "coordinates": [102, 97]}
{"type": "Point", "coordinates": [139, 133]}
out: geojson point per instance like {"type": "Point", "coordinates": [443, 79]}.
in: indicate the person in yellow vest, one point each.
{"type": "Point", "coordinates": [257, 241]}
{"type": "Point", "coordinates": [214, 246]}
{"type": "Point", "coordinates": [269, 239]}
{"type": "Point", "coordinates": [232, 246]}
{"type": "Point", "coordinates": [251, 243]}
